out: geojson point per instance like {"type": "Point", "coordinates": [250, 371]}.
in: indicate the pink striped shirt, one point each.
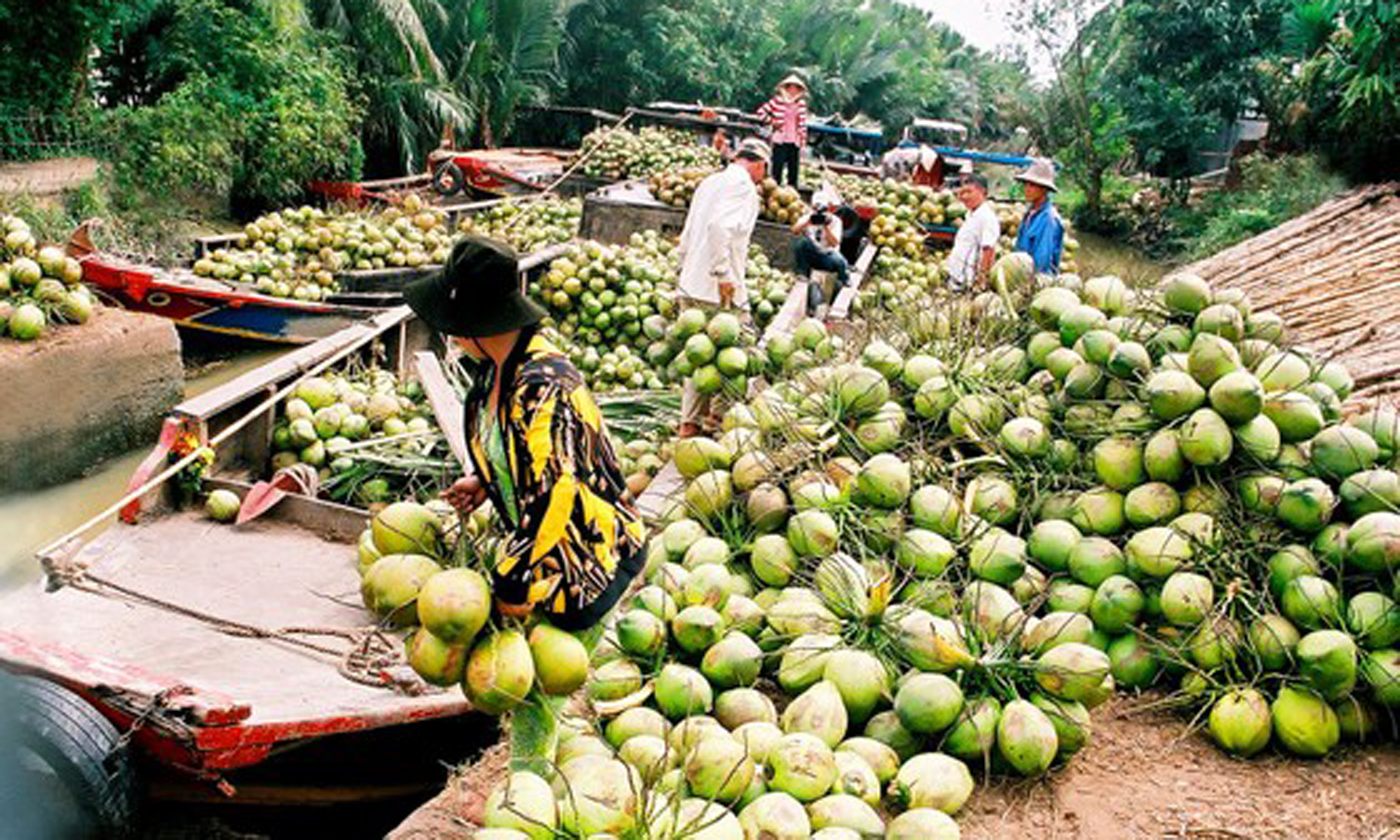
{"type": "Point", "coordinates": [788, 119]}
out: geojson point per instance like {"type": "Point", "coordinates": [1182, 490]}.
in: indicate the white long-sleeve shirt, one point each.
{"type": "Point", "coordinates": [715, 240]}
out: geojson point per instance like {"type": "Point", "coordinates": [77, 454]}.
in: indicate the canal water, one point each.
{"type": "Point", "coordinates": [33, 518]}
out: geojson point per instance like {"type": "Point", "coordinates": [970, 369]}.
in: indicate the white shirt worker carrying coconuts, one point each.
{"type": "Point", "coordinates": [714, 250]}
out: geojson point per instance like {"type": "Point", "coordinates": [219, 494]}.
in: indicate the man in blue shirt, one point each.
{"type": "Point", "coordinates": [1042, 233]}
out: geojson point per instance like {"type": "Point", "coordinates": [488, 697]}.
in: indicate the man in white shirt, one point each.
{"type": "Point", "coordinates": [714, 250]}
{"type": "Point", "coordinates": [970, 262]}
{"type": "Point", "coordinates": [818, 246]}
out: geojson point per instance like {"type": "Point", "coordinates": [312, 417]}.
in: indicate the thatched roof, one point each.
{"type": "Point", "coordinates": [1334, 276]}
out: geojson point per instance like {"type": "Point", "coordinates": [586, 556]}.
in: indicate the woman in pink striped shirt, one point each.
{"type": "Point", "coordinates": [786, 115]}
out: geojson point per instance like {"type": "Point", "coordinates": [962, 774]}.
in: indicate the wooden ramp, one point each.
{"type": "Point", "coordinates": [795, 307]}
{"type": "Point", "coordinates": [1334, 276]}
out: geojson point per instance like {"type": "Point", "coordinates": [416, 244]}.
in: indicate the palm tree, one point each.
{"type": "Point", "coordinates": [500, 55]}
{"type": "Point", "coordinates": [409, 94]}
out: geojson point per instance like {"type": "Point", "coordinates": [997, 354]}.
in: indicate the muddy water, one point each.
{"type": "Point", "coordinates": [28, 520]}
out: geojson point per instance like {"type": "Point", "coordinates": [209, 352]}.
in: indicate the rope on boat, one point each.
{"type": "Point", "coordinates": [372, 658]}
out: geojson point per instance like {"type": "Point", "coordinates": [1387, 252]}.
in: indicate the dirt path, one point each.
{"type": "Point", "coordinates": [46, 177]}
{"type": "Point", "coordinates": [1142, 777]}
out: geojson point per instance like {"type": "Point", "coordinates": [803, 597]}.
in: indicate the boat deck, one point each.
{"type": "Point", "coordinates": [266, 573]}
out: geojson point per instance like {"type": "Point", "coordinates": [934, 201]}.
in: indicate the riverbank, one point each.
{"type": "Point", "coordinates": [34, 517]}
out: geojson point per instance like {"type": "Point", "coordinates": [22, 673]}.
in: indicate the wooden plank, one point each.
{"type": "Point", "coordinates": [841, 307]}
{"type": "Point", "coordinates": [442, 398]}
{"type": "Point", "coordinates": [292, 364]}
{"type": "Point", "coordinates": [667, 485]}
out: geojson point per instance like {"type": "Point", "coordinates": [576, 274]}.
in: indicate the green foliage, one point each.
{"type": "Point", "coordinates": [1272, 191]}
{"type": "Point", "coordinates": [1184, 69]}
{"type": "Point", "coordinates": [1339, 84]}
{"type": "Point", "coordinates": [886, 60]}
{"type": "Point", "coordinates": [43, 65]}
{"type": "Point", "coordinates": [253, 112]}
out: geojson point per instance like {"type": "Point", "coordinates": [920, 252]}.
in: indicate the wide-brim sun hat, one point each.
{"type": "Point", "coordinates": [476, 293]}
{"type": "Point", "coordinates": [793, 79]}
{"type": "Point", "coordinates": [1041, 172]}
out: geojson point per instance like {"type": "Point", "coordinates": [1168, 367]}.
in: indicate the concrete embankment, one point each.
{"type": "Point", "coordinates": [82, 394]}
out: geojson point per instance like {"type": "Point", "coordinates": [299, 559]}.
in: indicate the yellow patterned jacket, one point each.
{"type": "Point", "coordinates": [576, 539]}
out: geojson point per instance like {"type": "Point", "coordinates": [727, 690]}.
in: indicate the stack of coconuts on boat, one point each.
{"type": "Point", "coordinates": [929, 554]}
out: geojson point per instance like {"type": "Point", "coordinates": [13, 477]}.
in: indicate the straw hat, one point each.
{"type": "Point", "coordinates": [1042, 172]}
{"type": "Point", "coordinates": [793, 79]}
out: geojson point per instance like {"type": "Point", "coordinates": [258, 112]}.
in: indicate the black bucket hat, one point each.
{"type": "Point", "coordinates": [476, 294]}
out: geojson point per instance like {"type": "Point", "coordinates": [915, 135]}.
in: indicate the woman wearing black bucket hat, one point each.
{"type": "Point", "coordinates": [537, 443]}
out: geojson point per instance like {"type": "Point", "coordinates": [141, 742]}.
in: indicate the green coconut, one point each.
{"type": "Point", "coordinates": [861, 680]}
{"type": "Point", "coordinates": [1051, 542]}
{"type": "Point", "coordinates": [1071, 722]}
{"type": "Point", "coordinates": [615, 679]}
{"type": "Point", "coordinates": [524, 803]}
{"type": "Point", "coordinates": [1131, 662]}
{"type": "Point", "coordinates": [998, 556]}
{"type": "Point", "coordinates": [1383, 425]}
{"type": "Point", "coordinates": [1026, 738]}
{"type": "Point", "coordinates": [1185, 294]}
{"type": "Point", "coordinates": [1118, 462]}
{"type": "Point", "coordinates": [732, 661]}
{"type": "Point", "coordinates": [1311, 602]}
{"type": "Point", "coordinates": [924, 552]}
{"type": "Point", "coordinates": [1283, 371]}
{"type": "Point", "coordinates": [1375, 619]}
{"type": "Point", "coordinates": [1295, 414]}
{"type": "Point", "coordinates": [1095, 559]}
{"type": "Point", "coordinates": [1158, 551]}
{"type": "Point", "coordinates": [1373, 542]}
{"type": "Point", "coordinates": [923, 824]}
{"type": "Point", "coordinates": [1240, 722]}
{"type": "Point", "coordinates": [719, 768]}
{"type": "Point", "coordinates": [1304, 723]}
{"type": "Point", "coordinates": [1187, 598]}
{"type": "Point", "coordinates": [804, 661]}
{"type": "Point", "coordinates": [1151, 504]}
{"type": "Point", "coordinates": [1071, 671]}
{"type": "Point", "coordinates": [1327, 660]}
{"type": "Point", "coordinates": [682, 691]}
{"type": "Point", "coordinates": [1381, 670]}
{"type": "Point", "coordinates": [1116, 605]}
{"type": "Point", "coordinates": [1370, 491]}
{"type": "Point", "coordinates": [500, 672]}
{"type": "Point", "coordinates": [883, 481]}
{"type": "Point", "coordinates": [1162, 457]}
{"type": "Point", "coordinates": [1339, 451]}
{"type": "Point", "coordinates": [775, 816]}
{"type": "Point", "coordinates": [1098, 511]}
{"type": "Point", "coordinates": [1172, 394]}
{"type": "Point", "coordinates": [885, 728]}
{"type": "Point", "coordinates": [802, 766]}
{"type": "Point", "coordinates": [928, 703]}
{"type": "Point", "coordinates": [1237, 396]}
{"type": "Point", "coordinates": [1211, 357]}
{"type": "Point", "coordinates": [1306, 505]}
{"type": "Point", "coordinates": [1205, 438]}
{"type": "Point", "coordinates": [1057, 628]}
{"type": "Point", "coordinates": [1259, 439]}
{"type": "Point", "coordinates": [932, 780]}
{"type": "Point", "coordinates": [1273, 639]}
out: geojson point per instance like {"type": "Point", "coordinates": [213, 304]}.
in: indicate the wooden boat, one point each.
{"type": "Point", "coordinates": [215, 306]}
{"type": "Point", "coordinates": [205, 658]}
